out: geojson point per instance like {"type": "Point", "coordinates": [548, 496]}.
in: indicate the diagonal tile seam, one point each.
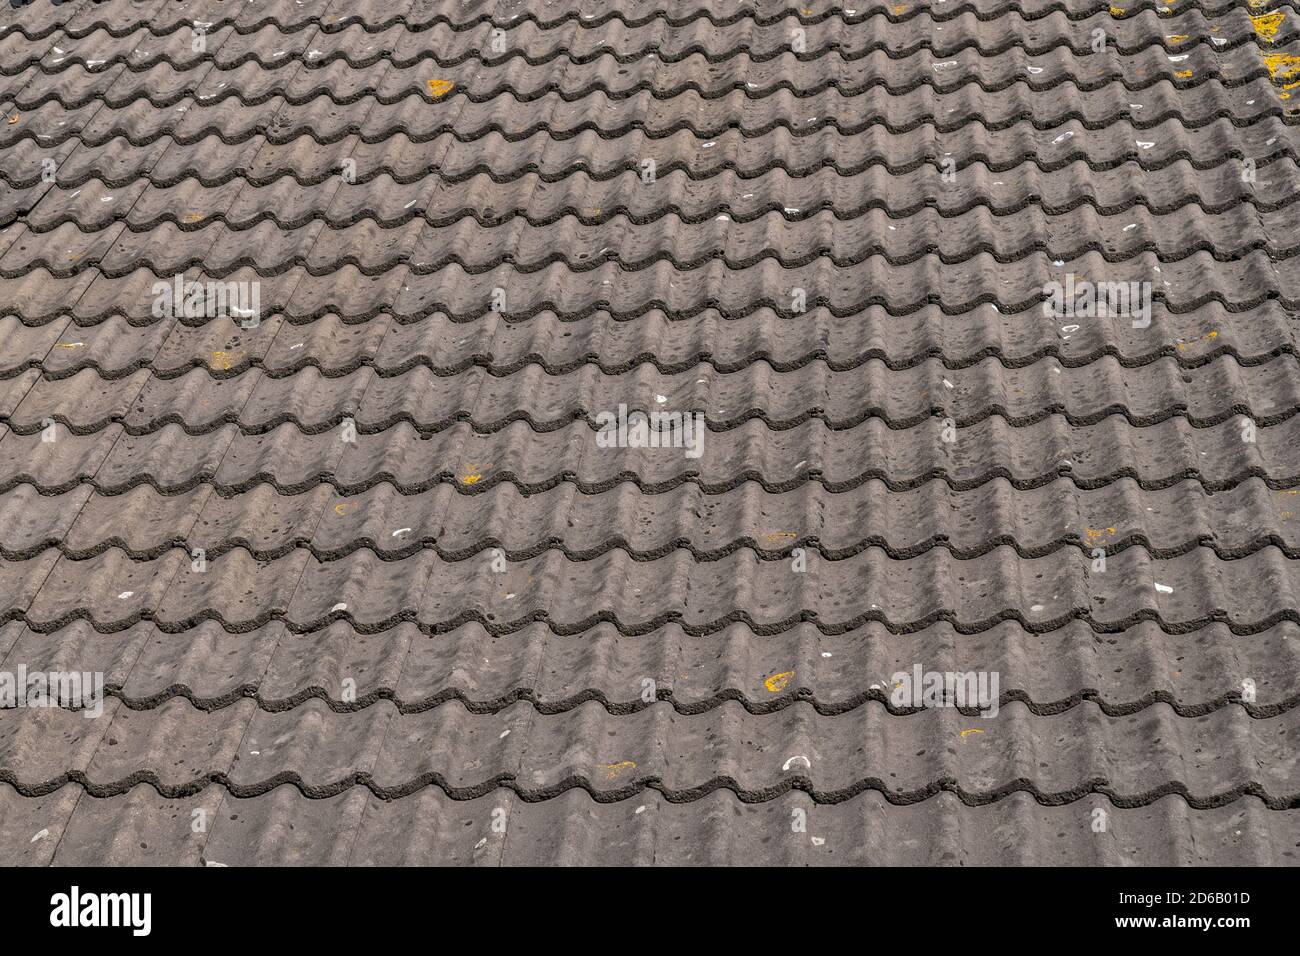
{"type": "Point", "coordinates": [76, 147]}
{"type": "Point", "coordinates": [224, 794]}
{"type": "Point", "coordinates": [120, 434]}
{"type": "Point", "coordinates": [198, 512]}
{"type": "Point", "coordinates": [76, 801]}
{"type": "Point", "coordinates": [1254, 210]}
{"type": "Point", "coordinates": [409, 242]}
{"type": "Point", "coordinates": [173, 324]}
{"type": "Point", "coordinates": [496, 318]}
{"type": "Point", "coordinates": [203, 72]}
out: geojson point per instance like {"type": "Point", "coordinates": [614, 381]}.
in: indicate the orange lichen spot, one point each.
{"type": "Point", "coordinates": [14, 119]}
{"type": "Point", "coordinates": [440, 88]}
{"type": "Point", "coordinates": [1093, 534]}
{"type": "Point", "coordinates": [973, 730]}
{"type": "Point", "coordinates": [900, 9]}
{"type": "Point", "coordinates": [1177, 38]}
{"type": "Point", "coordinates": [1266, 24]}
{"type": "Point", "coordinates": [614, 770]}
{"type": "Point", "coordinates": [222, 361]}
{"type": "Point", "coordinates": [777, 682]}
{"type": "Point", "coordinates": [473, 478]}
{"type": "Point", "coordinates": [1183, 74]}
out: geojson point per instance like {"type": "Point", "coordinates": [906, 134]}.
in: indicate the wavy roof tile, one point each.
{"type": "Point", "coordinates": [341, 534]}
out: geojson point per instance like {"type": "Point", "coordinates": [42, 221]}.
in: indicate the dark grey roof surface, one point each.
{"type": "Point", "coordinates": [433, 644]}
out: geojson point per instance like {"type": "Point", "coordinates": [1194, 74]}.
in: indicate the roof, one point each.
{"type": "Point", "coordinates": [369, 576]}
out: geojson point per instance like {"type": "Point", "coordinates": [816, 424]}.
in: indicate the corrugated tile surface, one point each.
{"type": "Point", "coordinates": [365, 581]}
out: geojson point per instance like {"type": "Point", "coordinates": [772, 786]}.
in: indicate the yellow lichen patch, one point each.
{"type": "Point", "coordinates": [1177, 37]}
{"type": "Point", "coordinates": [1183, 74]}
{"type": "Point", "coordinates": [1116, 11]}
{"type": "Point", "coordinates": [1096, 534]}
{"type": "Point", "coordinates": [1188, 343]}
{"type": "Point", "coordinates": [900, 9]}
{"type": "Point", "coordinates": [1266, 24]}
{"type": "Point", "coordinates": [613, 770]}
{"type": "Point", "coordinates": [777, 682]}
{"type": "Point", "coordinates": [774, 536]}
{"type": "Point", "coordinates": [1283, 70]}
{"type": "Point", "coordinates": [223, 361]}
{"type": "Point", "coordinates": [69, 345]}
{"type": "Point", "coordinates": [345, 508]}
{"type": "Point", "coordinates": [973, 730]}
{"type": "Point", "coordinates": [194, 217]}
{"type": "Point", "coordinates": [473, 478]}
{"type": "Point", "coordinates": [440, 88]}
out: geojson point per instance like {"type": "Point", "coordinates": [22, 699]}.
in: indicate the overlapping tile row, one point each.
{"type": "Point", "coordinates": [171, 460]}
{"type": "Point", "coordinates": [118, 346]}
{"type": "Point", "coordinates": [280, 669]}
{"type": "Point", "coordinates": [366, 563]}
{"type": "Point", "coordinates": [413, 293]}
{"type": "Point", "coordinates": [1211, 760]}
{"type": "Point", "coordinates": [357, 828]}
{"type": "Point", "coordinates": [120, 19]}
{"type": "Point", "coordinates": [113, 591]}
{"type": "Point", "coordinates": [1166, 523]}
{"type": "Point", "coordinates": [87, 402]}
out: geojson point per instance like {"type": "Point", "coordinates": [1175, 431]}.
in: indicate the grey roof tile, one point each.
{"type": "Point", "coordinates": [340, 652]}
